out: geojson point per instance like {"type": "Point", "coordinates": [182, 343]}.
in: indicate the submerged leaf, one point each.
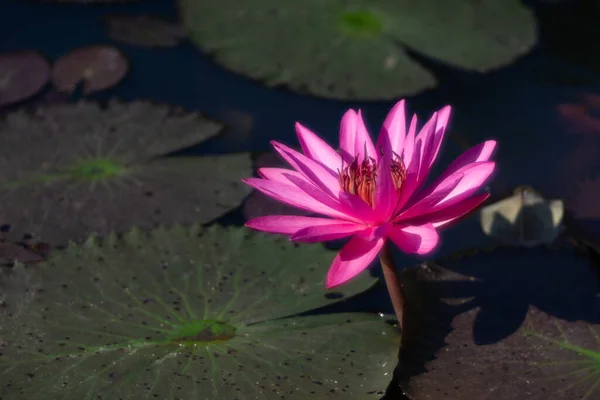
{"type": "Point", "coordinates": [144, 30]}
{"type": "Point", "coordinates": [99, 67]}
{"type": "Point", "coordinates": [191, 314]}
{"type": "Point", "coordinates": [524, 219]}
{"type": "Point", "coordinates": [22, 75]}
{"type": "Point", "coordinates": [85, 170]}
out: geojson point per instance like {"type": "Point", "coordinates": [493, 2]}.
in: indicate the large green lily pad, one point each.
{"type": "Point", "coordinates": [356, 49]}
{"type": "Point", "coordinates": [504, 324]}
{"type": "Point", "coordinates": [187, 313]}
{"type": "Point", "coordinates": [70, 170]}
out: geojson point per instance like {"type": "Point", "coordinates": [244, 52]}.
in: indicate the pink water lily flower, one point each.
{"type": "Point", "coordinates": [373, 192]}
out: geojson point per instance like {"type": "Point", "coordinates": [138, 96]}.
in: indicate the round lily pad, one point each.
{"type": "Point", "coordinates": [70, 170]}
{"type": "Point", "coordinates": [187, 313]}
{"type": "Point", "coordinates": [508, 323]}
{"type": "Point", "coordinates": [22, 75]}
{"type": "Point", "coordinates": [357, 49]}
{"type": "Point", "coordinates": [99, 67]}
{"type": "Point", "coordinates": [144, 30]}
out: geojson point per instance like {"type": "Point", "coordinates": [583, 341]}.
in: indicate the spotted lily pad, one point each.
{"type": "Point", "coordinates": [67, 171]}
{"type": "Point", "coordinates": [22, 75]}
{"type": "Point", "coordinates": [99, 67]}
{"type": "Point", "coordinates": [511, 323]}
{"type": "Point", "coordinates": [144, 30]}
{"type": "Point", "coordinates": [191, 314]}
{"type": "Point", "coordinates": [357, 49]}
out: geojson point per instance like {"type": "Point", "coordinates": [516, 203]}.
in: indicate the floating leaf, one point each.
{"type": "Point", "coordinates": [524, 219]}
{"type": "Point", "coordinates": [144, 30]}
{"type": "Point", "coordinates": [357, 49]}
{"type": "Point", "coordinates": [22, 75]}
{"type": "Point", "coordinates": [85, 169]}
{"type": "Point", "coordinates": [514, 323]}
{"type": "Point", "coordinates": [190, 314]}
{"type": "Point", "coordinates": [98, 67]}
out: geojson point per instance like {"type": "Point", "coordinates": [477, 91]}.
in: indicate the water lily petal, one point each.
{"type": "Point", "coordinates": [435, 140]}
{"type": "Point", "coordinates": [386, 195]}
{"type": "Point", "coordinates": [393, 132]}
{"type": "Point", "coordinates": [315, 193]}
{"type": "Point", "coordinates": [317, 149]}
{"type": "Point", "coordinates": [354, 257]}
{"type": "Point", "coordinates": [289, 224]}
{"type": "Point", "coordinates": [481, 152]}
{"type": "Point", "coordinates": [359, 207]}
{"type": "Point", "coordinates": [348, 136]}
{"type": "Point", "coordinates": [278, 174]}
{"type": "Point", "coordinates": [294, 196]}
{"type": "Point", "coordinates": [412, 177]}
{"type": "Point", "coordinates": [424, 204]}
{"type": "Point", "coordinates": [409, 142]}
{"type": "Point", "coordinates": [447, 215]}
{"type": "Point", "coordinates": [415, 239]}
{"type": "Point", "coordinates": [470, 178]}
{"type": "Point", "coordinates": [332, 231]}
{"type": "Point", "coordinates": [457, 211]}
{"type": "Point", "coordinates": [474, 176]}
{"type": "Point", "coordinates": [363, 145]}
{"type": "Point", "coordinates": [312, 170]}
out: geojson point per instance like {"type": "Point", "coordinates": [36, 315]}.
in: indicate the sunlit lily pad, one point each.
{"type": "Point", "coordinates": [523, 219]}
{"type": "Point", "coordinates": [357, 49]}
{"type": "Point", "coordinates": [510, 323]}
{"type": "Point", "coordinates": [22, 75]}
{"type": "Point", "coordinates": [191, 314]}
{"type": "Point", "coordinates": [67, 171]}
{"type": "Point", "coordinates": [144, 30]}
{"type": "Point", "coordinates": [99, 67]}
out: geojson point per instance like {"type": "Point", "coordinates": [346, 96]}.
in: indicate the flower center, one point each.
{"type": "Point", "coordinates": [360, 178]}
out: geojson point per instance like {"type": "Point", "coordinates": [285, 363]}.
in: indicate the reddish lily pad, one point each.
{"type": "Point", "coordinates": [582, 116]}
{"type": "Point", "coordinates": [22, 75]}
{"type": "Point", "coordinates": [99, 67]}
{"type": "Point", "coordinates": [502, 324]}
{"type": "Point", "coordinates": [144, 30]}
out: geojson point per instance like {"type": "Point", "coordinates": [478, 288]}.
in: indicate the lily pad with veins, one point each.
{"type": "Point", "coordinates": [506, 323]}
{"type": "Point", "coordinates": [70, 170]}
{"type": "Point", "coordinates": [188, 313]}
{"type": "Point", "coordinates": [357, 49]}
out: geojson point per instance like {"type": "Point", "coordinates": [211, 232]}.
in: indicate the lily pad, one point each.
{"type": "Point", "coordinates": [523, 219]}
{"type": "Point", "coordinates": [22, 75]}
{"type": "Point", "coordinates": [357, 49]}
{"type": "Point", "coordinates": [582, 116]}
{"type": "Point", "coordinates": [144, 30]}
{"type": "Point", "coordinates": [70, 170]}
{"type": "Point", "coordinates": [510, 323]}
{"type": "Point", "coordinates": [99, 67]}
{"type": "Point", "coordinates": [191, 314]}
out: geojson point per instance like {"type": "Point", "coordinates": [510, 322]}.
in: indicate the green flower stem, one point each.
{"type": "Point", "coordinates": [392, 280]}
